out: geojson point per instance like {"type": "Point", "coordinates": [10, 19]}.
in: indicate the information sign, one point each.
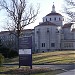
{"type": "Point", "coordinates": [25, 51]}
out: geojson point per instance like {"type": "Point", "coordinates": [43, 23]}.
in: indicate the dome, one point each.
{"type": "Point", "coordinates": [54, 17]}
{"type": "Point", "coordinates": [52, 14]}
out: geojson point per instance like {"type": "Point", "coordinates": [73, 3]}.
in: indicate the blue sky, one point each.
{"type": "Point", "coordinates": [45, 8]}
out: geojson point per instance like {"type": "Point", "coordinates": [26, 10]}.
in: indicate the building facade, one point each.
{"type": "Point", "coordinates": [49, 35]}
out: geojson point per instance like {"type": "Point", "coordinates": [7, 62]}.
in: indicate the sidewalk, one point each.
{"type": "Point", "coordinates": [71, 72]}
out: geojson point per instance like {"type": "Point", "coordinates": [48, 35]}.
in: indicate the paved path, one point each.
{"type": "Point", "coordinates": [65, 67]}
{"type": "Point", "coordinates": [71, 72]}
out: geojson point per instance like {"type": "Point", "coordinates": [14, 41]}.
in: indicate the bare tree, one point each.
{"type": "Point", "coordinates": [69, 9]}
{"type": "Point", "coordinates": [20, 15]}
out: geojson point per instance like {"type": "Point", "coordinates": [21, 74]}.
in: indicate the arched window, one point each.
{"type": "Point", "coordinates": [59, 19]}
{"type": "Point", "coordinates": [55, 18]}
{"type": "Point", "coordinates": [47, 29]}
{"type": "Point", "coordinates": [46, 19]}
{"type": "Point", "coordinates": [50, 19]}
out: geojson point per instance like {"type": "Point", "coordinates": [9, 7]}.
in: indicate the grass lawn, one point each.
{"type": "Point", "coordinates": [56, 57]}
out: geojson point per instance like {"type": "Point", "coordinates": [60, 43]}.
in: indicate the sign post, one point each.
{"type": "Point", "coordinates": [25, 52]}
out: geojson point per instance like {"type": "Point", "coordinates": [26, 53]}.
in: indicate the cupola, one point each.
{"type": "Point", "coordinates": [53, 8]}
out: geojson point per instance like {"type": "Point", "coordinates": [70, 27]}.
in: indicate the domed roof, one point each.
{"type": "Point", "coordinates": [53, 14]}
{"type": "Point", "coordinates": [47, 23]}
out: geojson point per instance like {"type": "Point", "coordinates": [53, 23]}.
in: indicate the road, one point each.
{"type": "Point", "coordinates": [65, 67]}
{"type": "Point", "coordinates": [71, 72]}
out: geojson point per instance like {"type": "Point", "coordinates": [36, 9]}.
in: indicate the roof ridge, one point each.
{"type": "Point", "coordinates": [66, 25]}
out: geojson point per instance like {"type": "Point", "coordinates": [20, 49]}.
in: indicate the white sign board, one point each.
{"type": "Point", "coordinates": [24, 51]}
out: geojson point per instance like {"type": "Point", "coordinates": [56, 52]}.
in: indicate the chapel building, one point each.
{"type": "Point", "coordinates": [49, 35]}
